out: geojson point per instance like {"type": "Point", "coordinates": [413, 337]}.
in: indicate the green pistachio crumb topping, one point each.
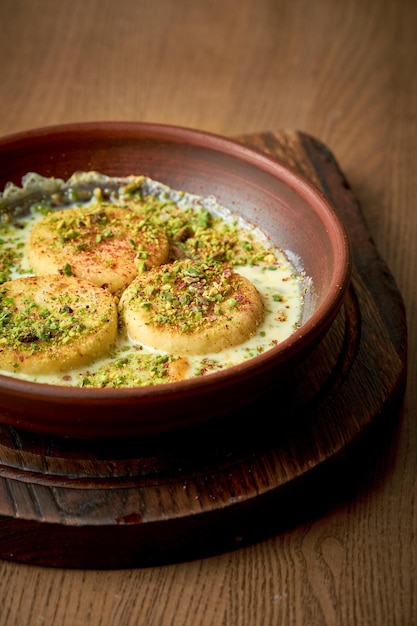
{"type": "Point", "coordinates": [133, 370]}
{"type": "Point", "coordinates": [33, 326]}
{"type": "Point", "coordinates": [185, 294]}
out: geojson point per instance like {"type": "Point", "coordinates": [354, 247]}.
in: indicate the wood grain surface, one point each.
{"type": "Point", "coordinates": [343, 72]}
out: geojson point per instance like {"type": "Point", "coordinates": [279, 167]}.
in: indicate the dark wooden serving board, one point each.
{"type": "Point", "coordinates": [113, 504]}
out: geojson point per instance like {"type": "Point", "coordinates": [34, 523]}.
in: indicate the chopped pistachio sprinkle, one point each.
{"type": "Point", "coordinates": [131, 370]}
{"type": "Point", "coordinates": [184, 294]}
{"type": "Point", "coordinates": [87, 229]}
{"type": "Point", "coordinates": [35, 325]}
{"type": "Point", "coordinates": [11, 248]}
{"type": "Point", "coordinates": [198, 234]}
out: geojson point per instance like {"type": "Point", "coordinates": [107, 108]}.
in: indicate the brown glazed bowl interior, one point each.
{"type": "Point", "coordinates": [293, 213]}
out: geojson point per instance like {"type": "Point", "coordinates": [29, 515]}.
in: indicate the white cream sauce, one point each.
{"type": "Point", "coordinates": [280, 285]}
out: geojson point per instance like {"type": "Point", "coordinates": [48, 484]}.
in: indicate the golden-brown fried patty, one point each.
{"type": "Point", "coordinates": [191, 307]}
{"type": "Point", "coordinates": [53, 323]}
{"type": "Point", "coordinates": [104, 244]}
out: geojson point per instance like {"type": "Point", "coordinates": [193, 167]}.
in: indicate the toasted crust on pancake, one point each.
{"type": "Point", "coordinates": [54, 323]}
{"type": "Point", "coordinates": [106, 245]}
{"type": "Point", "coordinates": [190, 307]}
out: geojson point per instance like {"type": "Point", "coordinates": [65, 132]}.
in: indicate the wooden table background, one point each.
{"type": "Point", "coordinates": [343, 71]}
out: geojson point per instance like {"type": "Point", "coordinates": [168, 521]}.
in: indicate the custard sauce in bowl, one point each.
{"type": "Point", "coordinates": [289, 213]}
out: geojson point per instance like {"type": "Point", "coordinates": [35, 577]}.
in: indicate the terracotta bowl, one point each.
{"type": "Point", "coordinates": [295, 215]}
